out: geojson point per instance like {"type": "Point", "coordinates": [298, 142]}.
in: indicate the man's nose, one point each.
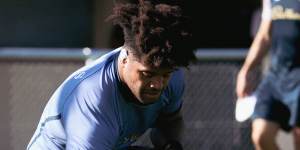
{"type": "Point", "coordinates": [157, 83]}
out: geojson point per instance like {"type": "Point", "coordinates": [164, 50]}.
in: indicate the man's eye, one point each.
{"type": "Point", "coordinates": [147, 74]}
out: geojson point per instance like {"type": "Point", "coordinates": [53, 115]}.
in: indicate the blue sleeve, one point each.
{"type": "Point", "coordinates": [175, 92]}
{"type": "Point", "coordinates": [89, 120]}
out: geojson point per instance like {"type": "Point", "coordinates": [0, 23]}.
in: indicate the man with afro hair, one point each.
{"type": "Point", "coordinates": [109, 104]}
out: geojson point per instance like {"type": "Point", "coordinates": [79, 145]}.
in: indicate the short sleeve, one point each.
{"type": "Point", "coordinates": [266, 10]}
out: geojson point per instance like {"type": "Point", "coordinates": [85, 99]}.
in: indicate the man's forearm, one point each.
{"type": "Point", "coordinates": [259, 46]}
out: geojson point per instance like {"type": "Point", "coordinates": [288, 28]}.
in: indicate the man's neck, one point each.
{"type": "Point", "coordinates": [124, 89]}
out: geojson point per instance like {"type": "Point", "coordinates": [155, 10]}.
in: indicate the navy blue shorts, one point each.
{"type": "Point", "coordinates": [278, 99]}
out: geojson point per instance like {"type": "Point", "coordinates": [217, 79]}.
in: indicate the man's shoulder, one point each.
{"type": "Point", "coordinates": [177, 79]}
{"type": "Point", "coordinates": [176, 84]}
{"type": "Point", "coordinates": [92, 77]}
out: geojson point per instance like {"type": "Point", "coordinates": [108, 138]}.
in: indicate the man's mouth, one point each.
{"type": "Point", "coordinates": [152, 93]}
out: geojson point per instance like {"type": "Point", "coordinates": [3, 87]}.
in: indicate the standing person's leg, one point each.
{"type": "Point", "coordinates": [265, 123]}
{"type": "Point", "coordinates": [270, 114]}
{"type": "Point", "coordinates": [292, 96]}
{"type": "Point", "coordinates": [264, 134]}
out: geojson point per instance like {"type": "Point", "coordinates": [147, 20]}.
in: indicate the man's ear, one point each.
{"type": "Point", "coordinates": [124, 60]}
{"type": "Point", "coordinates": [124, 57]}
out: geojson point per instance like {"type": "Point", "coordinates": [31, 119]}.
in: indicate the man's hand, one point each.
{"type": "Point", "coordinates": [243, 84]}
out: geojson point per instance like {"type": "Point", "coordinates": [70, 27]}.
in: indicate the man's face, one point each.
{"type": "Point", "coordinates": [146, 83]}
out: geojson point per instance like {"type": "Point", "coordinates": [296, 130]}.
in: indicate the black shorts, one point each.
{"type": "Point", "coordinates": [278, 99]}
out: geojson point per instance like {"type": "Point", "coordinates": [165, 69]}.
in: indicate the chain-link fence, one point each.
{"type": "Point", "coordinates": [27, 84]}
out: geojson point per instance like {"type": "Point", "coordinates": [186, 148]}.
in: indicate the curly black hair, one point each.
{"type": "Point", "coordinates": [155, 32]}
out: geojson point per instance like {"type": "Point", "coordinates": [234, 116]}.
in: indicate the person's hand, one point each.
{"type": "Point", "coordinates": [243, 84]}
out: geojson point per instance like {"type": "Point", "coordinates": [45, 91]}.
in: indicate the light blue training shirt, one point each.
{"type": "Point", "coordinates": [88, 111]}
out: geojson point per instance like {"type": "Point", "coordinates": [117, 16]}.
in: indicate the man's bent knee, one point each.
{"type": "Point", "coordinates": [264, 132]}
